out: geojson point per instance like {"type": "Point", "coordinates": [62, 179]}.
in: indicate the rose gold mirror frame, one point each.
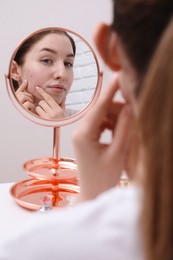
{"type": "Point", "coordinates": [52, 123]}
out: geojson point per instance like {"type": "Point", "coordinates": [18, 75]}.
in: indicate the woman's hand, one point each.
{"type": "Point", "coordinates": [48, 107]}
{"type": "Point", "coordinates": [25, 98]}
{"type": "Point", "coordinates": [100, 165]}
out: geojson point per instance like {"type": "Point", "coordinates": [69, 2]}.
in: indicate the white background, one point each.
{"type": "Point", "coordinates": [21, 140]}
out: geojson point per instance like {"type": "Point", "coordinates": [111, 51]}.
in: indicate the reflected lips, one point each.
{"type": "Point", "coordinates": [57, 88]}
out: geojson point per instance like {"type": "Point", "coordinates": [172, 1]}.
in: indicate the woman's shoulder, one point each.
{"type": "Point", "coordinates": [116, 204]}
{"type": "Point", "coordinates": [115, 198]}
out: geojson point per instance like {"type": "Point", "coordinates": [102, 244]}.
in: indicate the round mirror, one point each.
{"type": "Point", "coordinates": [54, 77]}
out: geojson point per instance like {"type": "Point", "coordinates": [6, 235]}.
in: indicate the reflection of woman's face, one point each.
{"type": "Point", "coordinates": [49, 65]}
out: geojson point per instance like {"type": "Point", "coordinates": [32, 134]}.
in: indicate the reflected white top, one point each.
{"type": "Point", "coordinates": [106, 228]}
{"type": "Point", "coordinates": [71, 112]}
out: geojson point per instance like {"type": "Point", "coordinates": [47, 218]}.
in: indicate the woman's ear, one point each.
{"type": "Point", "coordinates": [15, 71]}
{"type": "Point", "coordinates": [106, 43]}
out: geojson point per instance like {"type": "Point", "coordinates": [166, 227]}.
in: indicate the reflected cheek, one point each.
{"type": "Point", "coordinates": [33, 81]}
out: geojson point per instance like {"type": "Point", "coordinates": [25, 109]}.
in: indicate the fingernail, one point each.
{"type": "Point", "coordinates": [37, 88]}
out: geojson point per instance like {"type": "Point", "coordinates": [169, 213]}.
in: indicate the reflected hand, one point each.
{"type": "Point", "coordinates": [48, 107]}
{"type": "Point", "coordinates": [25, 98]}
{"type": "Point", "coordinates": [100, 165]}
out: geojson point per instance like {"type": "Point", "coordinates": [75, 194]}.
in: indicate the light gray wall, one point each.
{"type": "Point", "coordinates": [21, 140]}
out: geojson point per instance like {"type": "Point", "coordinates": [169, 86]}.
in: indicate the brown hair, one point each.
{"type": "Point", "coordinates": [156, 128]}
{"type": "Point", "coordinates": [139, 24]}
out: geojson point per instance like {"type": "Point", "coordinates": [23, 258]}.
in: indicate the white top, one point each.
{"type": "Point", "coordinates": [105, 228]}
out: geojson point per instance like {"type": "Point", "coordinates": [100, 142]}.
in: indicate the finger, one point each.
{"type": "Point", "coordinates": [99, 115]}
{"type": "Point", "coordinates": [122, 132]}
{"type": "Point", "coordinates": [43, 104]}
{"type": "Point", "coordinates": [102, 107]}
{"type": "Point", "coordinates": [27, 95]}
{"type": "Point", "coordinates": [23, 86]}
{"type": "Point", "coordinates": [23, 97]}
{"type": "Point", "coordinates": [46, 97]}
{"type": "Point", "coordinates": [39, 110]}
{"type": "Point", "coordinates": [29, 106]}
{"type": "Point", "coordinates": [97, 119]}
{"type": "Point", "coordinates": [51, 113]}
{"type": "Point", "coordinates": [114, 111]}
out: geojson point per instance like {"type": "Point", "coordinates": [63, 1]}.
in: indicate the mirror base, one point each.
{"type": "Point", "coordinates": [54, 183]}
{"type": "Point", "coordinates": [33, 194]}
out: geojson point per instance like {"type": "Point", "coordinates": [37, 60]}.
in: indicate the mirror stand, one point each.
{"type": "Point", "coordinates": [55, 168]}
{"type": "Point", "coordinates": [54, 181]}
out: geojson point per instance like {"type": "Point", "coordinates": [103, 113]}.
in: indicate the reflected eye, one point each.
{"type": "Point", "coordinates": [68, 64]}
{"type": "Point", "coordinates": [47, 61]}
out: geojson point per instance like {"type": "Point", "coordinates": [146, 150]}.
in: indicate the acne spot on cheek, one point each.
{"type": "Point", "coordinates": [32, 83]}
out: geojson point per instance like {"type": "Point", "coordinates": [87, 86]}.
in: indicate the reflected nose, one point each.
{"type": "Point", "coordinates": [60, 71]}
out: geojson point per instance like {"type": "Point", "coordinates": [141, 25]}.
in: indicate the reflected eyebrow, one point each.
{"type": "Point", "coordinates": [55, 52]}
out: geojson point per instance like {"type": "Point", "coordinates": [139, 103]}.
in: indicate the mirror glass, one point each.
{"type": "Point", "coordinates": [54, 76]}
